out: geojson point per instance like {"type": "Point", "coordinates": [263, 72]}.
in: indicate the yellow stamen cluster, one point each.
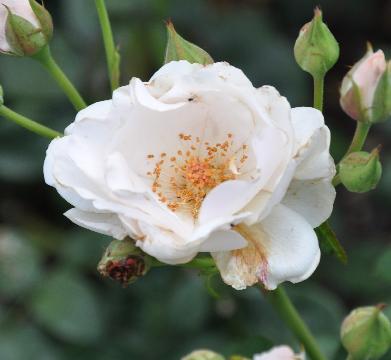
{"type": "Point", "coordinates": [183, 180]}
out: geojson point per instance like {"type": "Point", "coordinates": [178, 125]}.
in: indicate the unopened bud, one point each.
{"type": "Point", "coordinates": [361, 171]}
{"type": "Point", "coordinates": [124, 262]}
{"type": "Point", "coordinates": [360, 85]}
{"type": "Point", "coordinates": [366, 333]}
{"type": "Point", "coordinates": [203, 355]}
{"type": "Point", "coordinates": [180, 49]}
{"type": "Point", "coordinates": [27, 27]}
{"type": "Point", "coordinates": [316, 49]}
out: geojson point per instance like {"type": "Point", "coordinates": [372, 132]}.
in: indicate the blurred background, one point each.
{"type": "Point", "coordinates": [53, 304]}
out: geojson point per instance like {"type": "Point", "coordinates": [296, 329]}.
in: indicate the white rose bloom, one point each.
{"type": "Point", "coordinates": [21, 8]}
{"type": "Point", "coordinates": [279, 353]}
{"type": "Point", "coordinates": [198, 160]}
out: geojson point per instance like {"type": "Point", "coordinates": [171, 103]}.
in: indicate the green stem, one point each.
{"type": "Point", "coordinates": [28, 123]}
{"type": "Point", "coordinates": [112, 55]}
{"type": "Point", "coordinates": [359, 137]}
{"type": "Point", "coordinates": [318, 92]}
{"type": "Point", "coordinates": [281, 302]}
{"type": "Point", "coordinates": [48, 62]}
{"type": "Point", "coordinates": [358, 141]}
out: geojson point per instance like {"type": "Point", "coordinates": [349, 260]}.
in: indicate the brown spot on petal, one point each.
{"type": "Point", "coordinates": [251, 260]}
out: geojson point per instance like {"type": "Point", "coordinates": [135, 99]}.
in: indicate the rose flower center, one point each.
{"type": "Point", "coordinates": [183, 180]}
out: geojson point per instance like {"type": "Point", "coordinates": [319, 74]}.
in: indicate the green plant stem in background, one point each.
{"type": "Point", "coordinates": [48, 62]}
{"type": "Point", "coordinates": [318, 92]}
{"type": "Point", "coordinates": [112, 56]}
{"type": "Point", "coordinates": [281, 302]}
{"type": "Point", "coordinates": [28, 123]}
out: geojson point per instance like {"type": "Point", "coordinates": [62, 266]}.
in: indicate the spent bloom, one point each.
{"type": "Point", "coordinates": [359, 86]}
{"type": "Point", "coordinates": [279, 353]}
{"type": "Point", "coordinates": [25, 27]}
{"type": "Point", "coordinates": [199, 160]}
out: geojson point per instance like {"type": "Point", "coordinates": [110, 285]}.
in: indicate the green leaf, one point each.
{"type": "Point", "coordinates": [65, 304]}
{"type": "Point", "coordinates": [180, 49]}
{"type": "Point", "coordinates": [20, 267]}
{"type": "Point", "coordinates": [329, 243]}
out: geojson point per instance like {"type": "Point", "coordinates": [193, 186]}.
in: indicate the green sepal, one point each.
{"type": "Point", "coordinates": [22, 36]}
{"type": "Point", "coordinates": [44, 18]}
{"type": "Point", "coordinates": [329, 242]}
{"type": "Point", "coordinates": [180, 49]}
{"type": "Point", "coordinates": [381, 108]}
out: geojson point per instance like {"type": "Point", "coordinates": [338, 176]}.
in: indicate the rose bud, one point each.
{"type": "Point", "coordinates": [180, 49]}
{"type": "Point", "coordinates": [360, 84]}
{"type": "Point", "coordinates": [25, 27]}
{"type": "Point", "coordinates": [124, 262]}
{"type": "Point", "coordinates": [316, 49]}
{"type": "Point", "coordinates": [361, 171]}
{"type": "Point", "coordinates": [203, 355]}
{"type": "Point", "coordinates": [366, 333]}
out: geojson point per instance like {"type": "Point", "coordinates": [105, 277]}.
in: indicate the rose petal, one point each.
{"type": "Point", "coordinates": [107, 224]}
{"type": "Point", "coordinates": [283, 247]}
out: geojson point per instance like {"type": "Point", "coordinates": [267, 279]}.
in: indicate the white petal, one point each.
{"type": "Point", "coordinates": [292, 247]}
{"type": "Point", "coordinates": [223, 241]}
{"type": "Point", "coordinates": [283, 247]}
{"type": "Point", "coordinates": [306, 121]}
{"type": "Point", "coordinates": [165, 246]}
{"type": "Point", "coordinates": [120, 178]}
{"type": "Point", "coordinates": [312, 199]}
{"type": "Point", "coordinates": [277, 107]}
{"type": "Point", "coordinates": [315, 161]}
{"type": "Point", "coordinates": [107, 224]}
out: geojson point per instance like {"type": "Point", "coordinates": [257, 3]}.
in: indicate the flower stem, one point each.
{"type": "Point", "coordinates": [46, 59]}
{"type": "Point", "coordinates": [358, 141]}
{"type": "Point", "coordinates": [318, 92]}
{"type": "Point", "coordinates": [28, 123]}
{"type": "Point", "coordinates": [112, 55]}
{"type": "Point", "coordinates": [281, 302]}
{"type": "Point", "coordinates": [359, 137]}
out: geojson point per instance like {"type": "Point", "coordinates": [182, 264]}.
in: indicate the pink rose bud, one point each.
{"type": "Point", "coordinates": [359, 86]}
{"type": "Point", "coordinates": [25, 27]}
